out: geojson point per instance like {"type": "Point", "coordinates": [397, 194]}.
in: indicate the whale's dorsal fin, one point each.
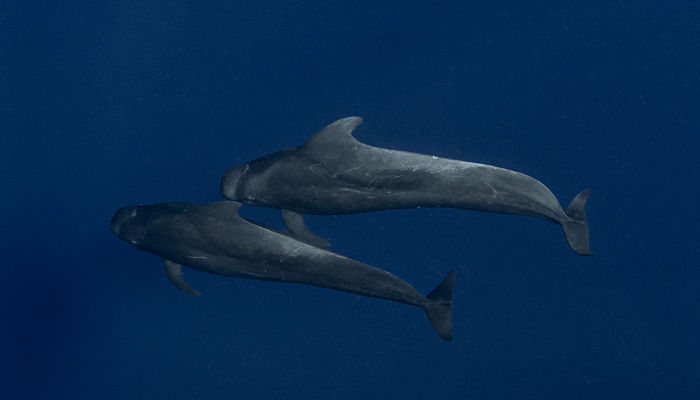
{"type": "Point", "coordinates": [337, 134]}
{"type": "Point", "coordinates": [296, 226]}
{"type": "Point", "coordinates": [174, 273]}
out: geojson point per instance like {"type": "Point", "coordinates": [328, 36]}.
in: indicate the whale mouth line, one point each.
{"type": "Point", "coordinates": [230, 183]}
{"type": "Point", "coordinates": [245, 169]}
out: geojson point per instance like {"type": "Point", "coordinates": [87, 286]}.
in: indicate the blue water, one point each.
{"type": "Point", "coordinates": [104, 104]}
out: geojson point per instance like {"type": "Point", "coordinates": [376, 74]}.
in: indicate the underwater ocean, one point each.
{"type": "Point", "coordinates": [105, 104]}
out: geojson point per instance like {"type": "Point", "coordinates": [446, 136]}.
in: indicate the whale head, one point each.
{"type": "Point", "coordinates": [127, 224]}
{"type": "Point", "coordinates": [138, 224]}
{"type": "Point", "coordinates": [145, 226]}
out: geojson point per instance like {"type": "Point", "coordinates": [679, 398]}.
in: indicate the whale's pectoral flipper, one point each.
{"type": "Point", "coordinates": [439, 307]}
{"type": "Point", "coordinates": [298, 229]}
{"type": "Point", "coordinates": [576, 229]}
{"type": "Point", "coordinates": [174, 273]}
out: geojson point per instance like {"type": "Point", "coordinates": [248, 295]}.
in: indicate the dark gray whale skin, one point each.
{"type": "Point", "coordinates": [333, 173]}
{"type": "Point", "coordinates": [214, 238]}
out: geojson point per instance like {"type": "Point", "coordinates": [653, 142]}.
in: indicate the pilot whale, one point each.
{"type": "Point", "coordinates": [213, 238]}
{"type": "Point", "coordinates": [333, 173]}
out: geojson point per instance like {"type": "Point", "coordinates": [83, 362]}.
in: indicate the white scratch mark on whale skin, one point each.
{"type": "Point", "coordinates": [366, 194]}
{"type": "Point", "coordinates": [291, 253]}
{"type": "Point", "coordinates": [349, 170]}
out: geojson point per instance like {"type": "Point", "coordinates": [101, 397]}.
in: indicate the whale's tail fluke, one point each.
{"type": "Point", "coordinates": [438, 308]}
{"type": "Point", "coordinates": [576, 229]}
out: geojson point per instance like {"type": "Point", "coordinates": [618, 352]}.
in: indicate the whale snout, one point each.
{"type": "Point", "coordinates": [122, 215]}
{"type": "Point", "coordinates": [230, 179]}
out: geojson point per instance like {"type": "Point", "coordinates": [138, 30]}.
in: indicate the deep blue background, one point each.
{"type": "Point", "coordinates": [108, 103]}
